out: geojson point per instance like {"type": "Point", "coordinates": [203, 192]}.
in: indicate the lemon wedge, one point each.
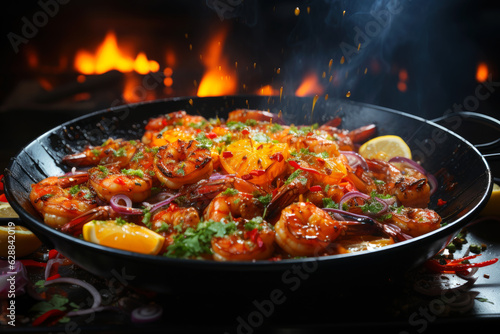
{"type": "Point", "coordinates": [23, 242]}
{"type": "Point", "coordinates": [385, 148]}
{"type": "Point", "coordinates": [127, 236]}
{"type": "Point", "coordinates": [6, 211]}
{"type": "Point", "coordinates": [492, 208]}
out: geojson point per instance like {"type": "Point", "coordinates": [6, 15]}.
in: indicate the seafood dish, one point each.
{"type": "Point", "coordinates": [248, 188]}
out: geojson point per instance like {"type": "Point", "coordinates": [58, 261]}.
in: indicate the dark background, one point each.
{"type": "Point", "coordinates": [438, 43]}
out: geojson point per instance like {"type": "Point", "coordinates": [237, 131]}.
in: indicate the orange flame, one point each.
{"type": "Point", "coordinates": [267, 90]}
{"type": "Point", "coordinates": [108, 56]}
{"type": "Point", "coordinates": [218, 79]}
{"type": "Point", "coordinates": [482, 72]}
{"type": "Point", "coordinates": [310, 86]}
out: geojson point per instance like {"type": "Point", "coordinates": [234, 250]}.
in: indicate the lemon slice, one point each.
{"type": "Point", "coordinates": [492, 208]}
{"type": "Point", "coordinates": [6, 211]}
{"type": "Point", "coordinates": [385, 148]}
{"type": "Point", "coordinates": [22, 241]}
{"type": "Point", "coordinates": [128, 236]}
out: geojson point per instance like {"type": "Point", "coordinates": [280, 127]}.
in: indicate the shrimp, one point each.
{"type": "Point", "coordinates": [313, 143]}
{"type": "Point", "coordinates": [306, 230]}
{"type": "Point", "coordinates": [410, 189]}
{"type": "Point", "coordinates": [346, 139]}
{"type": "Point", "coordinates": [109, 180]}
{"type": "Point", "coordinates": [251, 241]}
{"type": "Point", "coordinates": [169, 222]}
{"type": "Point", "coordinates": [181, 162]}
{"type": "Point", "coordinates": [177, 124]}
{"type": "Point", "coordinates": [60, 199]}
{"type": "Point", "coordinates": [111, 151]}
{"type": "Point", "coordinates": [243, 115]}
{"type": "Point", "coordinates": [233, 203]}
{"type": "Point", "coordinates": [415, 221]}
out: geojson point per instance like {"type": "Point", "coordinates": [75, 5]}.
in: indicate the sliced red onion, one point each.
{"type": "Point", "coordinates": [350, 214]}
{"type": "Point", "coordinates": [468, 274]}
{"type": "Point", "coordinates": [355, 159]}
{"type": "Point", "coordinates": [409, 163]}
{"type": "Point", "coordinates": [48, 267]}
{"type": "Point", "coordinates": [12, 279]}
{"type": "Point", "coordinates": [438, 284]}
{"type": "Point", "coordinates": [351, 195]}
{"type": "Point", "coordinates": [126, 209]}
{"type": "Point", "coordinates": [89, 310]}
{"type": "Point", "coordinates": [91, 289]}
{"type": "Point", "coordinates": [147, 313]}
{"type": "Point", "coordinates": [156, 206]}
{"type": "Point", "coordinates": [432, 182]}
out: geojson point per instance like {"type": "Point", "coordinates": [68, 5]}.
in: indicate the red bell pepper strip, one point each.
{"type": "Point", "coordinates": [53, 315]}
{"type": "Point", "coordinates": [296, 165]}
{"type": "Point", "coordinates": [50, 278]}
{"type": "Point", "coordinates": [3, 198]}
{"type": "Point", "coordinates": [53, 253]}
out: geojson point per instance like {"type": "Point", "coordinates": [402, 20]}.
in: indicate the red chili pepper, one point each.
{"type": "Point", "coordinates": [53, 315]}
{"type": "Point", "coordinates": [456, 266]}
{"type": "Point", "coordinates": [3, 198]}
{"type": "Point", "coordinates": [260, 146]}
{"type": "Point", "coordinates": [33, 263]}
{"type": "Point", "coordinates": [277, 156]}
{"type": "Point", "coordinates": [296, 165]}
{"type": "Point", "coordinates": [53, 253]}
{"type": "Point", "coordinates": [315, 188]}
{"type": "Point", "coordinates": [247, 177]}
{"type": "Point", "coordinates": [257, 172]}
{"type": "Point", "coordinates": [227, 154]}
{"type": "Point", "coordinates": [441, 202]}
{"type": "Point", "coordinates": [211, 135]}
{"type": "Point", "coordinates": [245, 132]}
{"type": "Point", "coordinates": [50, 278]}
{"type": "Point", "coordinates": [253, 234]}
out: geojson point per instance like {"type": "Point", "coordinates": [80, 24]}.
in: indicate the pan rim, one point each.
{"type": "Point", "coordinates": [244, 265]}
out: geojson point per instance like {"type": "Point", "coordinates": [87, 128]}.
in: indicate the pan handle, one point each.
{"type": "Point", "coordinates": [453, 121]}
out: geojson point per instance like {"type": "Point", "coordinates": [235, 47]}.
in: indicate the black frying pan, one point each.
{"type": "Point", "coordinates": [464, 176]}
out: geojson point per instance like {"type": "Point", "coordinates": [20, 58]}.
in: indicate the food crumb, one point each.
{"type": "Point", "coordinates": [486, 276]}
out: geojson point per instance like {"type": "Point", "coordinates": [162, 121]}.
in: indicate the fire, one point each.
{"type": "Point", "coordinates": [482, 72]}
{"type": "Point", "coordinates": [267, 90]}
{"type": "Point", "coordinates": [218, 79]}
{"type": "Point", "coordinates": [109, 56]}
{"type": "Point", "coordinates": [310, 86]}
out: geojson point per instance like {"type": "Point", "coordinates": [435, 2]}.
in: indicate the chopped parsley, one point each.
{"type": "Point", "coordinates": [203, 141]}
{"type": "Point", "coordinates": [133, 172]}
{"type": "Point", "coordinates": [273, 128]}
{"type": "Point", "coordinates": [192, 243]}
{"type": "Point", "coordinates": [120, 152]}
{"type": "Point", "coordinates": [329, 203]}
{"type": "Point", "coordinates": [254, 223]}
{"type": "Point", "coordinates": [146, 220]}
{"type": "Point", "coordinates": [230, 192]}
{"type": "Point", "coordinates": [96, 152]}
{"type": "Point", "coordinates": [138, 156]}
{"type": "Point", "coordinates": [104, 171]}
{"type": "Point", "coordinates": [293, 176]}
{"type": "Point", "coordinates": [235, 126]}
{"type": "Point", "coordinates": [74, 190]}
{"type": "Point", "coordinates": [120, 221]}
{"type": "Point", "coordinates": [164, 227]}
{"type": "Point", "coordinates": [261, 137]}
{"type": "Point", "coordinates": [266, 199]}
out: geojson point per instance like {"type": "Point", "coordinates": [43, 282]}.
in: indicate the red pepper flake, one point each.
{"type": "Point", "coordinates": [260, 146]}
{"type": "Point", "coordinates": [441, 202]}
{"type": "Point", "coordinates": [211, 135]}
{"type": "Point", "coordinates": [227, 154]}
{"type": "Point", "coordinates": [277, 156]}
{"type": "Point", "coordinates": [257, 172]}
{"type": "Point", "coordinates": [315, 188]}
{"type": "Point", "coordinates": [245, 132]}
{"type": "Point", "coordinates": [3, 198]}
{"type": "Point", "coordinates": [50, 318]}
{"type": "Point", "coordinates": [53, 253]}
{"type": "Point", "coordinates": [50, 278]}
{"type": "Point", "coordinates": [119, 180]}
